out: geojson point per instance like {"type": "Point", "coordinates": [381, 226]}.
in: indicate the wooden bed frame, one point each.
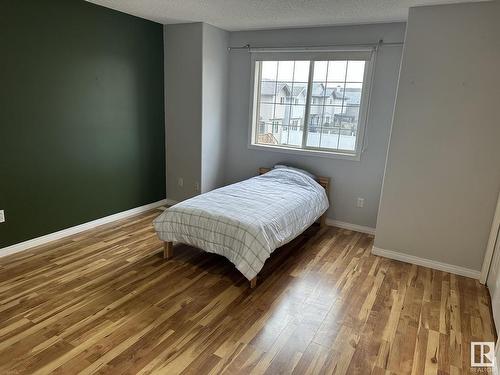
{"type": "Point", "coordinates": [168, 247]}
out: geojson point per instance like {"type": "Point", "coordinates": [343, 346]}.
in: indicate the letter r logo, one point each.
{"type": "Point", "coordinates": [482, 353]}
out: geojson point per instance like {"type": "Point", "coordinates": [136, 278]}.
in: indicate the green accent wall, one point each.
{"type": "Point", "coordinates": [82, 131]}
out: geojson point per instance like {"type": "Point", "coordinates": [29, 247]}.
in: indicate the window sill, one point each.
{"type": "Point", "coordinates": [306, 152]}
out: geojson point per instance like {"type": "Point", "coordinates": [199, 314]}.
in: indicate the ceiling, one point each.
{"type": "Point", "coordinates": [262, 14]}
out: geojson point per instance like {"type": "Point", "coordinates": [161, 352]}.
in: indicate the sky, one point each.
{"type": "Point", "coordinates": [298, 71]}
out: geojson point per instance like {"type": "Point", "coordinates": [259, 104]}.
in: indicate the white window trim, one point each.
{"type": "Point", "coordinates": [316, 152]}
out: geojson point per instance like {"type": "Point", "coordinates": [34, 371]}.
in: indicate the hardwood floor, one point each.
{"type": "Point", "coordinates": [105, 301]}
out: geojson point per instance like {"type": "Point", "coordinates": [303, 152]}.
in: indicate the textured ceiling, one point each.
{"type": "Point", "coordinates": [262, 14]}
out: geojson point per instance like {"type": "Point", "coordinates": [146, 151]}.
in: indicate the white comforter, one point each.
{"type": "Point", "coordinates": [245, 222]}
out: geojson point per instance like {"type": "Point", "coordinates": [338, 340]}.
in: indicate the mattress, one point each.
{"type": "Point", "coordinates": [246, 221]}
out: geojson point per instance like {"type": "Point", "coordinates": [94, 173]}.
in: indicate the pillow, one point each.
{"type": "Point", "coordinates": [282, 166]}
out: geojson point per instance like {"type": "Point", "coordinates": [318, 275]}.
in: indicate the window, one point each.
{"type": "Point", "coordinates": [314, 104]}
{"type": "Point", "coordinates": [276, 125]}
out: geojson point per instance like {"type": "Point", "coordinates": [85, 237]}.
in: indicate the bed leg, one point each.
{"type": "Point", "coordinates": [322, 221]}
{"type": "Point", "coordinates": [253, 282]}
{"type": "Point", "coordinates": [168, 250]}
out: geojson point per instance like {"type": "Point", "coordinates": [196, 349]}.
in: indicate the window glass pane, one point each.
{"type": "Point", "coordinates": [315, 111]}
{"type": "Point", "coordinates": [318, 93]}
{"type": "Point", "coordinates": [274, 119]}
{"type": "Point", "coordinates": [267, 139]}
{"type": "Point", "coordinates": [285, 70]}
{"type": "Point", "coordinates": [283, 92]}
{"type": "Point", "coordinates": [267, 91]}
{"type": "Point", "coordinates": [291, 93]}
{"type": "Point", "coordinates": [337, 71]}
{"type": "Point", "coordinates": [290, 136]}
{"type": "Point", "coordinates": [348, 133]}
{"type": "Point", "coordinates": [330, 113]}
{"type": "Point", "coordinates": [334, 93]}
{"type": "Point", "coordinates": [352, 94]}
{"type": "Point", "coordinates": [320, 68]}
{"type": "Point", "coordinates": [298, 112]}
{"type": "Point", "coordinates": [299, 94]}
{"type": "Point", "coordinates": [312, 139]}
{"type": "Point", "coordinates": [301, 71]}
{"type": "Point", "coordinates": [269, 70]}
{"type": "Point", "coordinates": [294, 137]}
{"type": "Point", "coordinates": [329, 137]}
{"type": "Point", "coordinates": [296, 125]}
{"type": "Point", "coordinates": [281, 114]}
{"type": "Point", "coordinates": [315, 124]}
{"type": "Point", "coordinates": [355, 71]}
{"type": "Point", "coordinates": [278, 133]}
{"type": "Point", "coordinates": [351, 114]}
{"type": "Point", "coordinates": [263, 125]}
{"type": "Point", "coordinates": [266, 112]}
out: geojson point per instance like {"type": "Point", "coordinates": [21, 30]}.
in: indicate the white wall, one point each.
{"type": "Point", "coordinates": [351, 179]}
{"type": "Point", "coordinates": [214, 106]}
{"type": "Point", "coordinates": [443, 167]}
{"type": "Point", "coordinates": [183, 109]}
{"type": "Point", "coordinates": [196, 80]}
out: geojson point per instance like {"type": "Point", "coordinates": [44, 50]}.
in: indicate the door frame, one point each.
{"type": "Point", "coordinates": [495, 227]}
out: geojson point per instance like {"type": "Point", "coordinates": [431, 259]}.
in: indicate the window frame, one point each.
{"type": "Point", "coordinates": [364, 105]}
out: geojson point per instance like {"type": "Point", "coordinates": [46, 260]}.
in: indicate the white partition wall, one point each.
{"type": "Point", "coordinates": [442, 173]}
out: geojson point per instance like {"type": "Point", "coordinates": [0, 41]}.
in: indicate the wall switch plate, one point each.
{"type": "Point", "coordinates": [2, 216]}
{"type": "Point", "coordinates": [360, 203]}
{"type": "Point", "coordinates": [180, 181]}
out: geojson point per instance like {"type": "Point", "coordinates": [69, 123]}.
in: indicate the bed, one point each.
{"type": "Point", "coordinates": [246, 221]}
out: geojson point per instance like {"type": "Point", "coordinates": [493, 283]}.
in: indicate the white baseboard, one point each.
{"type": "Point", "coordinates": [353, 227]}
{"type": "Point", "coordinates": [497, 359]}
{"type": "Point", "coordinates": [79, 228]}
{"type": "Point", "coordinates": [457, 270]}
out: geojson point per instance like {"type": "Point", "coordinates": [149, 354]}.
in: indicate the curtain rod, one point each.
{"type": "Point", "coordinates": [249, 48]}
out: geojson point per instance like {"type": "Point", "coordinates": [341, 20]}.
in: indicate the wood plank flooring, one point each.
{"type": "Point", "coordinates": [105, 301]}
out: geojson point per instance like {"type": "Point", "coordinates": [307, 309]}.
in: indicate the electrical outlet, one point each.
{"type": "Point", "coordinates": [197, 186]}
{"type": "Point", "coordinates": [360, 203]}
{"type": "Point", "coordinates": [180, 181]}
{"type": "Point", "coordinates": [2, 216]}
